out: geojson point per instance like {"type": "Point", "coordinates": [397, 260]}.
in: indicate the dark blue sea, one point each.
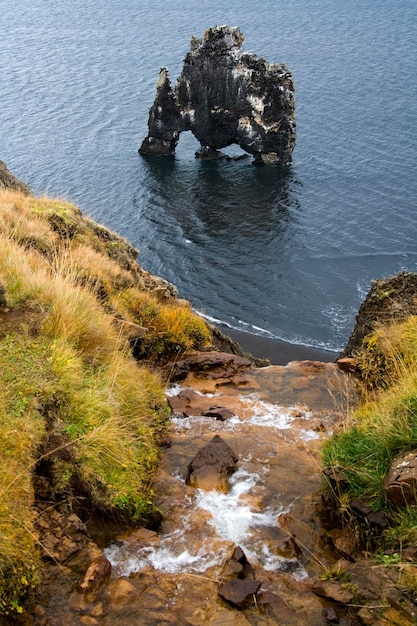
{"type": "Point", "coordinates": [288, 254]}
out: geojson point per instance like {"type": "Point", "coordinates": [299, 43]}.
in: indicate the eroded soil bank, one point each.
{"type": "Point", "coordinates": [272, 510]}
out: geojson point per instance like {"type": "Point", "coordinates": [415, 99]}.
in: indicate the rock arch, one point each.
{"type": "Point", "coordinates": [225, 96]}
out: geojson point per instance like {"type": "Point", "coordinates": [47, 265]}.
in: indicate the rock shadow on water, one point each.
{"type": "Point", "coordinates": [223, 201]}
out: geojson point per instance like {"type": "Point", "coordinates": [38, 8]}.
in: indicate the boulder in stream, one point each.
{"type": "Point", "coordinates": [215, 451]}
{"type": "Point", "coordinates": [209, 478]}
{"type": "Point", "coordinates": [211, 466]}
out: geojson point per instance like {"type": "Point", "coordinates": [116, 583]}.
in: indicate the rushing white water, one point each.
{"type": "Point", "coordinates": [208, 523]}
{"type": "Point", "coordinates": [231, 518]}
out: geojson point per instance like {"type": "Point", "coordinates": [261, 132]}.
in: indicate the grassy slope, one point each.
{"type": "Point", "coordinates": [383, 427]}
{"type": "Point", "coordinates": [75, 406]}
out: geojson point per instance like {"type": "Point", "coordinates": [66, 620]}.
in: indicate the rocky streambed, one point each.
{"type": "Point", "coordinates": [243, 544]}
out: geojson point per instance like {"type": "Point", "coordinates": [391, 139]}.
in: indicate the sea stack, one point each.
{"type": "Point", "coordinates": [225, 96]}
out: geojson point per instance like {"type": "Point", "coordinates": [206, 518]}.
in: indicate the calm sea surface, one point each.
{"type": "Point", "coordinates": [290, 254]}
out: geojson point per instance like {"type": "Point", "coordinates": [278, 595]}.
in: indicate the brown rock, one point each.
{"type": "Point", "coordinates": [388, 298]}
{"type": "Point", "coordinates": [345, 540]}
{"type": "Point", "coordinates": [278, 610]}
{"type": "Point", "coordinates": [217, 450]}
{"type": "Point", "coordinates": [287, 548]}
{"type": "Point", "coordinates": [121, 592]}
{"type": "Point", "coordinates": [240, 593]}
{"type": "Point", "coordinates": [212, 364]}
{"type": "Point", "coordinates": [333, 591]}
{"type": "Point", "coordinates": [238, 566]}
{"type": "Point", "coordinates": [209, 478]}
{"type": "Point", "coordinates": [300, 382]}
{"type": "Point", "coordinates": [336, 477]}
{"type": "Point", "coordinates": [366, 617]}
{"type": "Point", "coordinates": [400, 483]}
{"type": "Point", "coordinates": [185, 403]}
{"type": "Point", "coordinates": [219, 413]}
{"type": "Point", "coordinates": [347, 364]}
{"type": "Point", "coordinates": [97, 574]}
{"type": "Point", "coordinates": [330, 615]}
{"type": "Point", "coordinates": [87, 620]}
{"type": "Point", "coordinates": [58, 549]}
{"type": "Point", "coordinates": [377, 518]}
{"type": "Point", "coordinates": [142, 535]}
{"type": "Point", "coordinates": [232, 569]}
{"type": "Point", "coordinates": [360, 508]}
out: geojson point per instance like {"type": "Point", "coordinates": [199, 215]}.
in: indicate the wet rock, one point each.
{"type": "Point", "coordinates": [185, 403]}
{"type": "Point", "coordinates": [215, 451]}
{"type": "Point", "coordinates": [60, 536]}
{"type": "Point", "coordinates": [210, 477]}
{"type": "Point", "coordinates": [287, 548]}
{"type": "Point", "coordinates": [214, 365]}
{"type": "Point", "coordinates": [238, 566]}
{"type": "Point", "coordinates": [219, 413]}
{"type": "Point", "coordinates": [300, 382]}
{"type": "Point", "coordinates": [302, 533]}
{"type": "Point", "coordinates": [142, 536]}
{"type": "Point", "coordinates": [225, 97]}
{"type": "Point", "coordinates": [400, 483]}
{"type": "Point", "coordinates": [240, 593]}
{"type": "Point", "coordinates": [97, 574]}
{"type": "Point", "coordinates": [121, 592]}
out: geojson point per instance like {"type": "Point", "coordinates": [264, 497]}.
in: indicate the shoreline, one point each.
{"type": "Point", "coordinates": [277, 351]}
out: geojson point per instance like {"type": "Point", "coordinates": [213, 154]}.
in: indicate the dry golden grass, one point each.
{"type": "Point", "coordinates": [102, 406]}
{"type": "Point", "coordinates": [172, 327]}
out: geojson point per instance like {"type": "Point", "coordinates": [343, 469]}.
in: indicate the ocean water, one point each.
{"type": "Point", "coordinates": [286, 253]}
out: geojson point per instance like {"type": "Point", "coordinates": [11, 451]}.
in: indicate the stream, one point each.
{"type": "Point", "coordinates": [279, 418]}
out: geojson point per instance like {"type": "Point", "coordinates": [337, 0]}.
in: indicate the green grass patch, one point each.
{"type": "Point", "coordinates": [383, 427]}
